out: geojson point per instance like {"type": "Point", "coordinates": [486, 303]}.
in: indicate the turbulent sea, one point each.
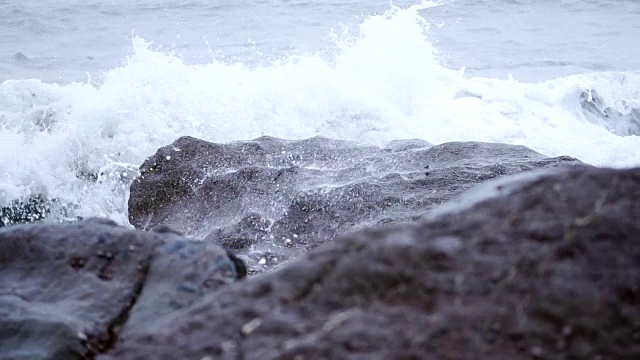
{"type": "Point", "coordinates": [90, 89]}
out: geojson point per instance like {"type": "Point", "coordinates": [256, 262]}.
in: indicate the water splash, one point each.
{"type": "Point", "coordinates": [82, 142]}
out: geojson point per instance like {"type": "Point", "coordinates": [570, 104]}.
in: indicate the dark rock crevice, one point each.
{"type": "Point", "coordinates": [101, 343]}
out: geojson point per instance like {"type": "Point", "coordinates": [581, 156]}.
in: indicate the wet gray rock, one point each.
{"type": "Point", "coordinates": [543, 265]}
{"type": "Point", "coordinates": [33, 209]}
{"type": "Point", "coordinates": [66, 291]}
{"type": "Point", "coordinates": [274, 199]}
{"type": "Point", "coordinates": [623, 123]}
{"type": "Point", "coordinates": [245, 233]}
{"type": "Point", "coordinates": [37, 209]}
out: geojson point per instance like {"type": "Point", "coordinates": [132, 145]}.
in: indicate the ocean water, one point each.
{"type": "Point", "coordinates": [89, 89]}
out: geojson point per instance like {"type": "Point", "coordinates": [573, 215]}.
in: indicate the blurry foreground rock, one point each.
{"type": "Point", "coordinates": [542, 265]}
{"type": "Point", "coordinates": [67, 290]}
{"type": "Point", "coordinates": [275, 199]}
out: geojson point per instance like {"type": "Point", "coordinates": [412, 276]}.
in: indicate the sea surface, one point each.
{"type": "Point", "coordinates": [89, 89]}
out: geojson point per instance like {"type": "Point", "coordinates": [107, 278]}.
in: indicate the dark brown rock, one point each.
{"type": "Point", "coordinates": [544, 265]}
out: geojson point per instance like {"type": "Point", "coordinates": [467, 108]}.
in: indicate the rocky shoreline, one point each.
{"type": "Point", "coordinates": [272, 199]}
{"type": "Point", "coordinates": [410, 251]}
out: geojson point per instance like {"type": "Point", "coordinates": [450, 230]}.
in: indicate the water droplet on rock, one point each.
{"type": "Point", "coordinates": [448, 244]}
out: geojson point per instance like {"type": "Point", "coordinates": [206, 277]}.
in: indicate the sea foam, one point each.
{"type": "Point", "coordinates": [81, 143]}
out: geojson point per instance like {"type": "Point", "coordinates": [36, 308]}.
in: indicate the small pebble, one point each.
{"type": "Point", "coordinates": [249, 327]}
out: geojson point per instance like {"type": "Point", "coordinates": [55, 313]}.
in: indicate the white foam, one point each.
{"type": "Point", "coordinates": [384, 84]}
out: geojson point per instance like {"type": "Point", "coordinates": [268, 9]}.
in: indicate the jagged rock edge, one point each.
{"type": "Point", "coordinates": [488, 190]}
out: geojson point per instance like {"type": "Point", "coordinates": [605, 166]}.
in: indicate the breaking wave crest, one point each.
{"type": "Point", "coordinates": [81, 143]}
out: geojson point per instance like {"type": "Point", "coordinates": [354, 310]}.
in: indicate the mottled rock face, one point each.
{"type": "Point", "coordinates": [66, 291]}
{"type": "Point", "coordinates": [544, 266]}
{"type": "Point", "coordinates": [281, 198]}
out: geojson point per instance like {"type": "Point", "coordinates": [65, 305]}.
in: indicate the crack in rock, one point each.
{"type": "Point", "coordinates": [101, 343]}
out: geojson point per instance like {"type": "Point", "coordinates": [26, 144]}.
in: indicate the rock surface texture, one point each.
{"type": "Point", "coordinates": [66, 291]}
{"type": "Point", "coordinates": [280, 198]}
{"type": "Point", "coordinates": [544, 265]}
{"type": "Point", "coordinates": [540, 265]}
